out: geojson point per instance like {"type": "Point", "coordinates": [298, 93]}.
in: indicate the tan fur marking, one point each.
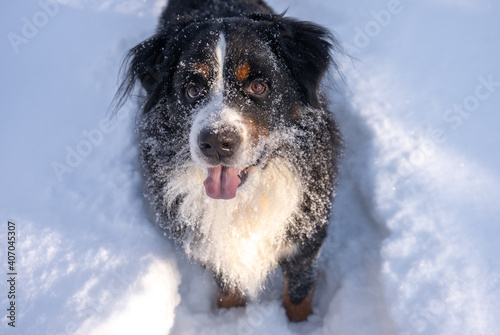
{"type": "Point", "coordinates": [255, 129]}
{"type": "Point", "coordinates": [202, 69]}
{"type": "Point", "coordinates": [233, 299]}
{"type": "Point", "coordinates": [243, 72]}
{"type": "Point", "coordinates": [256, 132]}
{"type": "Point", "coordinates": [300, 312]}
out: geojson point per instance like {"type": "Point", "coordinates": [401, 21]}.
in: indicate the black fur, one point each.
{"type": "Point", "coordinates": [210, 9]}
{"type": "Point", "coordinates": [304, 54]}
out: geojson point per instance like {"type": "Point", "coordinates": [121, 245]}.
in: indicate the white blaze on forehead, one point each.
{"type": "Point", "coordinates": [220, 53]}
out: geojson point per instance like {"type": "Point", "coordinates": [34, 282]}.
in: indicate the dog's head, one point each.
{"type": "Point", "coordinates": [236, 82]}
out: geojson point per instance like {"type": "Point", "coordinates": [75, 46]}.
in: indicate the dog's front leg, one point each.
{"type": "Point", "coordinates": [299, 280]}
{"type": "Point", "coordinates": [228, 297]}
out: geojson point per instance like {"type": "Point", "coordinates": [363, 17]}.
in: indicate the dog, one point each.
{"type": "Point", "coordinates": [238, 149]}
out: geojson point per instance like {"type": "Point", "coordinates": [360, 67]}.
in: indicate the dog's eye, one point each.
{"type": "Point", "coordinates": [258, 88]}
{"type": "Point", "coordinates": [194, 91]}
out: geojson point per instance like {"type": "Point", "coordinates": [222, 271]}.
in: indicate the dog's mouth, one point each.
{"type": "Point", "coordinates": [223, 181]}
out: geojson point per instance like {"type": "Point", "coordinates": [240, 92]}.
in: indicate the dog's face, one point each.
{"type": "Point", "coordinates": [237, 96]}
{"type": "Point", "coordinates": [232, 87]}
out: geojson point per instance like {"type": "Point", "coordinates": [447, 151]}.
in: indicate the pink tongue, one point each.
{"type": "Point", "coordinates": [222, 182]}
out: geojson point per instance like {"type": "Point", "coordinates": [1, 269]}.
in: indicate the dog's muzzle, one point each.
{"type": "Point", "coordinates": [219, 147]}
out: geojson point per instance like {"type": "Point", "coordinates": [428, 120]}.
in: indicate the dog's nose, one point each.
{"type": "Point", "coordinates": [218, 144]}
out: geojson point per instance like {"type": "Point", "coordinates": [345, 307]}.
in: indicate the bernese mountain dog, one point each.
{"type": "Point", "coordinates": [239, 151]}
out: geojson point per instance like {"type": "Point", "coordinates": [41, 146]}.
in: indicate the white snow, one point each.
{"type": "Point", "coordinates": [413, 245]}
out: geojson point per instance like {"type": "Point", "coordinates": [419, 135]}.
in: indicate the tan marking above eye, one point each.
{"type": "Point", "coordinates": [242, 72]}
{"type": "Point", "coordinates": [202, 69]}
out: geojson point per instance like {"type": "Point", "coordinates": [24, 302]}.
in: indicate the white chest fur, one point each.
{"type": "Point", "coordinates": [242, 238]}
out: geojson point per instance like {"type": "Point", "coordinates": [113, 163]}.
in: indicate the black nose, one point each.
{"type": "Point", "coordinates": [220, 143]}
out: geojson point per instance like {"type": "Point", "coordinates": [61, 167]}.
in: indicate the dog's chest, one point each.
{"type": "Point", "coordinates": [242, 238]}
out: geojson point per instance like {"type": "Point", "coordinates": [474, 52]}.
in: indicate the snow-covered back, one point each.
{"type": "Point", "coordinates": [413, 245]}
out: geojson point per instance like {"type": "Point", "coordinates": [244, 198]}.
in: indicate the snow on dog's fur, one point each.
{"type": "Point", "coordinates": [238, 149]}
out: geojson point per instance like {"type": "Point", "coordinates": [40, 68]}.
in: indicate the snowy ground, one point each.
{"type": "Point", "coordinates": [414, 240]}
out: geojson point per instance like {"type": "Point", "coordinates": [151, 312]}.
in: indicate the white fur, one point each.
{"type": "Point", "coordinates": [220, 53]}
{"type": "Point", "coordinates": [244, 237]}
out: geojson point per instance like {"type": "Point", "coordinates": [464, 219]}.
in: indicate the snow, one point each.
{"type": "Point", "coordinates": [413, 242]}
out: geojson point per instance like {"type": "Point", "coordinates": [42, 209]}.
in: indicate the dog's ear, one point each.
{"type": "Point", "coordinates": [150, 62]}
{"type": "Point", "coordinates": [142, 63]}
{"type": "Point", "coordinates": [306, 49]}
{"type": "Point", "coordinates": [146, 61]}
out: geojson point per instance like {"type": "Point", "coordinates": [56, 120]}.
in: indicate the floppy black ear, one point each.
{"type": "Point", "coordinates": [150, 62]}
{"type": "Point", "coordinates": [306, 50]}
{"type": "Point", "coordinates": [142, 62]}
